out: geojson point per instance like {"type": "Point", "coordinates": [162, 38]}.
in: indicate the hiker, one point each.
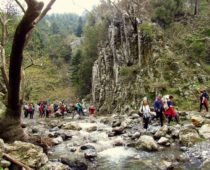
{"type": "Point", "coordinates": [31, 110]}
{"type": "Point", "coordinates": [41, 109]}
{"type": "Point", "coordinates": [25, 109]}
{"type": "Point", "coordinates": [92, 110]}
{"type": "Point", "coordinates": [158, 107]}
{"type": "Point", "coordinates": [145, 110]}
{"type": "Point", "coordinates": [55, 107]}
{"type": "Point", "coordinates": [204, 97]}
{"type": "Point", "coordinates": [74, 110]}
{"type": "Point", "coordinates": [80, 109]}
{"type": "Point", "coordinates": [170, 111]}
{"type": "Point", "coordinates": [62, 109]}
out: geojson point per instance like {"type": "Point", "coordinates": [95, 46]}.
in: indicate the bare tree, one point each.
{"type": "Point", "coordinates": [196, 9]}
{"type": "Point", "coordinates": [10, 129]}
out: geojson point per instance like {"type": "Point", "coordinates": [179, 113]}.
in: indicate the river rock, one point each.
{"type": "Point", "coordinates": [90, 154]}
{"type": "Point", "coordinates": [86, 147]}
{"type": "Point", "coordinates": [74, 164]}
{"type": "Point", "coordinates": [147, 143]}
{"type": "Point", "coordinates": [54, 129]}
{"type": "Point", "coordinates": [204, 131]}
{"type": "Point", "coordinates": [92, 128]}
{"type": "Point", "coordinates": [207, 115]}
{"type": "Point", "coordinates": [57, 140]}
{"type": "Point", "coordinates": [66, 135]}
{"type": "Point", "coordinates": [55, 166]}
{"type": "Point", "coordinates": [71, 126]}
{"type": "Point", "coordinates": [118, 130]}
{"type": "Point", "coordinates": [134, 116]}
{"type": "Point", "coordinates": [5, 163]}
{"type": "Point", "coordinates": [197, 121]}
{"type": "Point", "coordinates": [163, 141]}
{"type": "Point", "coordinates": [161, 132]}
{"type": "Point", "coordinates": [54, 123]}
{"type": "Point", "coordinates": [188, 136]}
{"type": "Point", "coordinates": [57, 114]}
{"type": "Point", "coordinates": [27, 153]}
{"type": "Point", "coordinates": [136, 135]}
{"type": "Point", "coordinates": [34, 130]}
{"type": "Point", "coordinates": [116, 123]}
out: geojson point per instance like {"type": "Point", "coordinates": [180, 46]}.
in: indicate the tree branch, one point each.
{"type": "Point", "coordinates": [44, 12]}
{"type": "Point", "coordinates": [21, 6]}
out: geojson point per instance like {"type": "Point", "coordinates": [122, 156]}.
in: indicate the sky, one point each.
{"type": "Point", "coordinates": [72, 6]}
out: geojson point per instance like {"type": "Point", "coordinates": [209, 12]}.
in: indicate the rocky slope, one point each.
{"type": "Point", "coordinates": [136, 61]}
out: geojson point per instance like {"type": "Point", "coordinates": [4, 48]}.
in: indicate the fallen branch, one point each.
{"type": "Point", "coordinates": [9, 158]}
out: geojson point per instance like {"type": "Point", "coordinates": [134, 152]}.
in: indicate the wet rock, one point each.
{"type": "Point", "coordinates": [86, 147]}
{"type": "Point", "coordinates": [136, 135]}
{"type": "Point", "coordinates": [161, 132]}
{"type": "Point", "coordinates": [118, 142]}
{"type": "Point", "coordinates": [188, 136]}
{"type": "Point", "coordinates": [34, 130]}
{"type": "Point", "coordinates": [54, 129]}
{"type": "Point", "coordinates": [163, 141]}
{"type": "Point", "coordinates": [53, 134]}
{"type": "Point", "coordinates": [57, 140]}
{"type": "Point", "coordinates": [204, 131]}
{"type": "Point", "coordinates": [197, 121]}
{"type": "Point", "coordinates": [207, 116]}
{"type": "Point", "coordinates": [105, 120]}
{"type": "Point", "coordinates": [182, 158]}
{"type": "Point", "coordinates": [134, 116]}
{"type": "Point", "coordinates": [66, 135]}
{"type": "Point", "coordinates": [55, 166]}
{"type": "Point", "coordinates": [54, 123]}
{"type": "Point", "coordinates": [118, 130]}
{"type": "Point", "coordinates": [24, 125]}
{"type": "Point", "coordinates": [27, 153]}
{"type": "Point", "coordinates": [90, 154]}
{"type": "Point", "coordinates": [74, 164]}
{"type": "Point", "coordinates": [71, 126]}
{"type": "Point", "coordinates": [92, 128]}
{"type": "Point", "coordinates": [116, 123]}
{"type": "Point", "coordinates": [5, 163]}
{"type": "Point", "coordinates": [111, 134]}
{"type": "Point", "coordinates": [165, 165]}
{"type": "Point", "coordinates": [72, 149]}
{"type": "Point", "coordinates": [147, 143]}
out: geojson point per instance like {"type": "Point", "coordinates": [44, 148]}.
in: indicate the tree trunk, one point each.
{"type": "Point", "coordinates": [196, 10]}
{"type": "Point", "coordinates": [10, 129]}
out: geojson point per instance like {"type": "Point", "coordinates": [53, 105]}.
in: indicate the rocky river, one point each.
{"type": "Point", "coordinates": [115, 142]}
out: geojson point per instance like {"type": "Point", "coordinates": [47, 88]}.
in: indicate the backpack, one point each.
{"type": "Point", "coordinates": [206, 95]}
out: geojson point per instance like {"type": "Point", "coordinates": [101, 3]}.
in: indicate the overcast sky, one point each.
{"type": "Point", "coordinates": [72, 6]}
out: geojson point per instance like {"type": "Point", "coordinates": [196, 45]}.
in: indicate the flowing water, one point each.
{"type": "Point", "coordinates": [110, 157]}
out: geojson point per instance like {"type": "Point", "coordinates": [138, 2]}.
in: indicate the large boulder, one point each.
{"type": "Point", "coordinates": [188, 136]}
{"type": "Point", "coordinates": [161, 132]}
{"type": "Point", "coordinates": [55, 166]}
{"type": "Point", "coordinates": [27, 153]}
{"type": "Point", "coordinates": [147, 143]}
{"type": "Point", "coordinates": [197, 121]}
{"type": "Point", "coordinates": [71, 126]}
{"type": "Point", "coordinates": [204, 131]}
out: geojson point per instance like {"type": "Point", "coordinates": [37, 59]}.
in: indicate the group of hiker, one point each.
{"type": "Point", "coordinates": [45, 109]}
{"type": "Point", "coordinates": [164, 108]}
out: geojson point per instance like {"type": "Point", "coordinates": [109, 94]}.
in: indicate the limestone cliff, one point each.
{"type": "Point", "coordinates": [137, 61]}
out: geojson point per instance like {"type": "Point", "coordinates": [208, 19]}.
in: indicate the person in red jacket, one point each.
{"type": "Point", "coordinates": [92, 110]}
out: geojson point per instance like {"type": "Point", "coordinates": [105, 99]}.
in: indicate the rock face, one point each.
{"type": "Point", "coordinates": [132, 63]}
{"type": "Point", "coordinates": [147, 143]}
{"type": "Point", "coordinates": [204, 131]}
{"type": "Point", "coordinates": [27, 153]}
{"type": "Point", "coordinates": [197, 121]}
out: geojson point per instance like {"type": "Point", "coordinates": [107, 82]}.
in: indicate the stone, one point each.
{"type": "Point", "coordinates": [90, 154]}
{"type": "Point", "coordinates": [136, 135]}
{"type": "Point", "coordinates": [163, 141]}
{"type": "Point", "coordinates": [87, 146]}
{"type": "Point", "coordinates": [34, 130]}
{"type": "Point", "coordinates": [71, 126]}
{"type": "Point", "coordinates": [188, 136]}
{"type": "Point", "coordinates": [57, 140]}
{"type": "Point", "coordinates": [118, 130]}
{"type": "Point", "coordinates": [161, 132]}
{"type": "Point", "coordinates": [54, 129]}
{"type": "Point", "coordinates": [57, 114]}
{"type": "Point", "coordinates": [55, 166]}
{"type": "Point", "coordinates": [66, 135]}
{"type": "Point", "coordinates": [134, 116]}
{"type": "Point", "coordinates": [74, 164]}
{"type": "Point", "coordinates": [92, 128]}
{"type": "Point", "coordinates": [5, 163]}
{"type": "Point", "coordinates": [197, 121]}
{"type": "Point", "coordinates": [147, 143]}
{"type": "Point", "coordinates": [27, 153]}
{"type": "Point", "coordinates": [204, 131]}
{"type": "Point", "coordinates": [207, 115]}
{"type": "Point", "coordinates": [116, 123]}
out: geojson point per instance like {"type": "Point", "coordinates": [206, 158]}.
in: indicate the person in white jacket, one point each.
{"type": "Point", "coordinates": [145, 110]}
